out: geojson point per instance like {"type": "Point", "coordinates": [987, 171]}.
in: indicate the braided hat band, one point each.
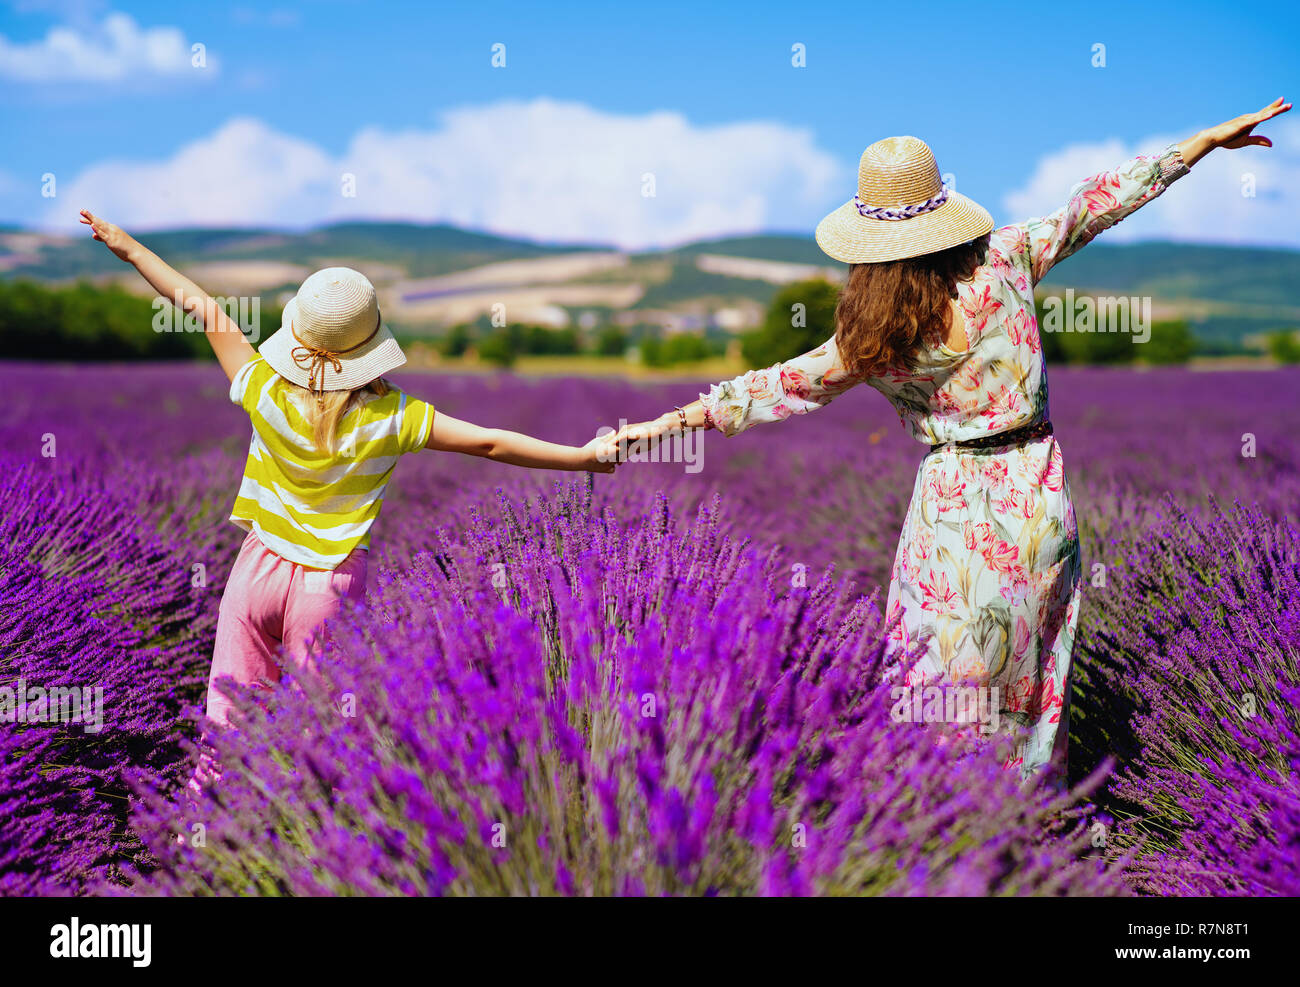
{"type": "Point", "coordinates": [902, 212]}
{"type": "Point", "coordinates": [902, 209]}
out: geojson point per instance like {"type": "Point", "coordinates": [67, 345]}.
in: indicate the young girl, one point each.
{"type": "Point", "coordinates": [328, 430]}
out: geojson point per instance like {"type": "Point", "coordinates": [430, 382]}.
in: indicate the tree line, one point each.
{"type": "Point", "coordinates": [89, 322]}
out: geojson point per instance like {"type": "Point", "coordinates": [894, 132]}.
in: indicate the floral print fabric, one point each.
{"type": "Point", "coordinates": [987, 573]}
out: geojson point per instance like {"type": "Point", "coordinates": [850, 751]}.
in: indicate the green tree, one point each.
{"type": "Point", "coordinates": [679, 348]}
{"type": "Point", "coordinates": [1282, 346]}
{"type": "Point", "coordinates": [499, 348]}
{"type": "Point", "coordinates": [545, 341]}
{"type": "Point", "coordinates": [1098, 347]}
{"type": "Point", "coordinates": [612, 341]}
{"type": "Point", "coordinates": [1068, 343]}
{"type": "Point", "coordinates": [800, 318]}
{"type": "Point", "coordinates": [84, 322]}
{"type": "Point", "coordinates": [1170, 342]}
{"type": "Point", "coordinates": [1052, 348]}
{"type": "Point", "coordinates": [650, 348]}
{"type": "Point", "coordinates": [457, 340]}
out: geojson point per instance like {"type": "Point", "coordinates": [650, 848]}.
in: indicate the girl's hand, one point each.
{"type": "Point", "coordinates": [228, 343]}
{"type": "Point", "coordinates": [597, 456]}
{"type": "Point", "coordinates": [1237, 132]}
{"type": "Point", "coordinates": [113, 237]}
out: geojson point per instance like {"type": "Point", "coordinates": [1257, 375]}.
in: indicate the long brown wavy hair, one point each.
{"type": "Point", "coordinates": [887, 311]}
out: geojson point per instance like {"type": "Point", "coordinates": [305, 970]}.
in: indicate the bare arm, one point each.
{"type": "Point", "coordinates": [453, 435]}
{"type": "Point", "coordinates": [227, 340]}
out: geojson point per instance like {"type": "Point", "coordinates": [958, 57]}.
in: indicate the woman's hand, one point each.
{"type": "Point", "coordinates": [1237, 131]}
{"type": "Point", "coordinates": [113, 237]}
{"type": "Point", "coordinates": [1233, 133]}
{"type": "Point", "coordinates": [647, 432]}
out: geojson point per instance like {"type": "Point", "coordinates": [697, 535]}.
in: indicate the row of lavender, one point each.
{"type": "Point", "coordinates": [633, 689]}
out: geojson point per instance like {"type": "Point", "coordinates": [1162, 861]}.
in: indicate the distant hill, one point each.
{"type": "Point", "coordinates": [1251, 275]}
{"type": "Point", "coordinates": [1226, 293]}
{"type": "Point", "coordinates": [787, 248]}
{"type": "Point", "coordinates": [423, 251]}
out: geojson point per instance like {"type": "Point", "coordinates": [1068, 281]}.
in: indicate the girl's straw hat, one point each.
{"type": "Point", "coordinates": [902, 208]}
{"type": "Point", "coordinates": [331, 337]}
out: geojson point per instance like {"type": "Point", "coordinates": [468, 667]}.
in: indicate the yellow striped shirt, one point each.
{"type": "Point", "coordinates": [307, 506]}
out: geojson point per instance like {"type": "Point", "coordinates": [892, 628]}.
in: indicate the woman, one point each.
{"type": "Point", "coordinates": [938, 315]}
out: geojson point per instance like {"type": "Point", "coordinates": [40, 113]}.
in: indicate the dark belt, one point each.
{"type": "Point", "coordinates": [1015, 437]}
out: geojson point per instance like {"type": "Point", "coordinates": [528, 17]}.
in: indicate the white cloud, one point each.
{"type": "Point", "coordinates": [566, 172]}
{"type": "Point", "coordinates": [543, 169]}
{"type": "Point", "coordinates": [117, 49]}
{"type": "Point", "coordinates": [1206, 206]}
{"type": "Point", "coordinates": [244, 174]}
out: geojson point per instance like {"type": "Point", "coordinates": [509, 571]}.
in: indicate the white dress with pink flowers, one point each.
{"type": "Point", "coordinates": [987, 573]}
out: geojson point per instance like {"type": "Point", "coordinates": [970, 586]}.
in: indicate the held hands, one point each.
{"type": "Point", "coordinates": [648, 432]}
{"type": "Point", "coordinates": [113, 237]}
{"type": "Point", "coordinates": [595, 458]}
{"type": "Point", "coordinates": [615, 445]}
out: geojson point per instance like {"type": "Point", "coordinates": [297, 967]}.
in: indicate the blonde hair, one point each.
{"type": "Point", "coordinates": [325, 410]}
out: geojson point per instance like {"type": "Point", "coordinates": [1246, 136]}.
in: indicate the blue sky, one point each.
{"type": "Point", "coordinates": [1006, 94]}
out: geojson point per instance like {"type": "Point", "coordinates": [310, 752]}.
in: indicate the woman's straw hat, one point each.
{"type": "Point", "coordinates": [902, 208]}
{"type": "Point", "coordinates": [331, 337]}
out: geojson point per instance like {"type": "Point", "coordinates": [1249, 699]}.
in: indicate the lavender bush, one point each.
{"type": "Point", "coordinates": [1197, 644]}
{"type": "Point", "coordinates": [98, 605]}
{"type": "Point", "coordinates": [520, 705]}
{"type": "Point", "coordinates": [633, 710]}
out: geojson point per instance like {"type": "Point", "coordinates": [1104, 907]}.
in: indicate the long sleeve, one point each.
{"type": "Point", "coordinates": [1098, 203]}
{"type": "Point", "coordinates": [796, 387]}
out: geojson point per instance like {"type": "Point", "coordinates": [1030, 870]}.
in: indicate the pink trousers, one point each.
{"type": "Point", "coordinates": [271, 605]}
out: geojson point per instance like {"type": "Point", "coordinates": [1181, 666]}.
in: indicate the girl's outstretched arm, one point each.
{"type": "Point", "coordinates": [453, 435]}
{"type": "Point", "coordinates": [227, 340]}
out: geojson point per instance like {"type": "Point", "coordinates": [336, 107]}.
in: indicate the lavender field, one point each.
{"type": "Point", "coordinates": [657, 682]}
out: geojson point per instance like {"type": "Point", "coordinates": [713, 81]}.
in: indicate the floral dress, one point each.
{"type": "Point", "coordinates": [987, 573]}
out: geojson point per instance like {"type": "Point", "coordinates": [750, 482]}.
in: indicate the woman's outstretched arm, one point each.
{"type": "Point", "coordinates": [1102, 200]}
{"type": "Point", "coordinates": [223, 333]}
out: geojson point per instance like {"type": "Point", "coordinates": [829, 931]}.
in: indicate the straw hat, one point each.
{"type": "Point", "coordinates": [331, 337]}
{"type": "Point", "coordinates": [902, 208]}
